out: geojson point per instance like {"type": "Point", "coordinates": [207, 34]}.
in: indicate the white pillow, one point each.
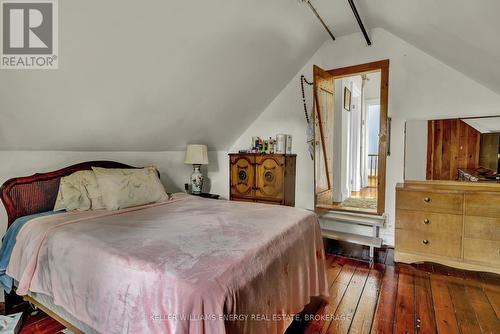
{"type": "Point", "coordinates": [59, 206]}
{"type": "Point", "coordinates": [123, 188]}
{"type": "Point", "coordinates": [79, 191]}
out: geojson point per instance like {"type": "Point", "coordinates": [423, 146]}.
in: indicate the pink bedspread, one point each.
{"type": "Point", "coordinates": [190, 265]}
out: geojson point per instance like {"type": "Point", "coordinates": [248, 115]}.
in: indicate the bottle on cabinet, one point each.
{"type": "Point", "coordinates": [282, 144]}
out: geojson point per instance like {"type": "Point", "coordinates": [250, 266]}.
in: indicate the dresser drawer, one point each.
{"type": "Point", "coordinates": [487, 251]}
{"type": "Point", "coordinates": [482, 228]}
{"type": "Point", "coordinates": [430, 201]}
{"type": "Point", "coordinates": [429, 243]}
{"type": "Point", "coordinates": [482, 204]}
{"type": "Point", "coordinates": [429, 222]}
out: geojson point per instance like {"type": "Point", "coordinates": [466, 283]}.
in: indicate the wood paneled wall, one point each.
{"type": "Point", "coordinates": [451, 144]}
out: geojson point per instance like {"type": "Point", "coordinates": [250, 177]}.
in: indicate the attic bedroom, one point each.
{"type": "Point", "coordinates": [281, 167]}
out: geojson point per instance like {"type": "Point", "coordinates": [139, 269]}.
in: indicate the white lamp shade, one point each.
{"type": "Point", "coordinates": [196, 155]}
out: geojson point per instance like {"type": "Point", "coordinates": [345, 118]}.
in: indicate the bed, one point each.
{"type": "Point", "coordinates": [187, 265]}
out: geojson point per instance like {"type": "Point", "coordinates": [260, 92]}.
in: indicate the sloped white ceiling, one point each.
{"type": "Point", "coordinates": [464, 34]}
{"type": "Point", "coordinates": [158, 74]}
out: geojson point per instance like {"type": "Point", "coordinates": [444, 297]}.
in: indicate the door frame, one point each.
{"type": "Point", "coordinates": [383, 67]}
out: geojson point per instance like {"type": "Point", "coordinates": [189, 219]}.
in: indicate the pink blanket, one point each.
{"type": "Point", "coordinates": [190, 265]}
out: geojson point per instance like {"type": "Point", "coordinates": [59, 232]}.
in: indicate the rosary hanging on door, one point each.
{"type": "Point", "coordinates": [302, 80]}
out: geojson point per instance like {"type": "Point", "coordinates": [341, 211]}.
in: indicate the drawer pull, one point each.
{"type": "Point", "coordinates": [427, 199]}
{"type": "Point", "coordinates": [426, 221]}
{"type": "Point", "coordinates": [425, 242]}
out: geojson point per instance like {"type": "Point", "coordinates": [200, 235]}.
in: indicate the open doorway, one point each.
{"type": "Point", "coordinates": [351, 128]}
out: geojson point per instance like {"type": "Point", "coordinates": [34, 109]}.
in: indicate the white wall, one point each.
{"type": "Point", "coordinates": [340, 142]}
{"type": "Point", "coordinates": [354, 174]}
{"type": "Point", "coordinates": [373, 127]}
{"type": "Point", "coordinates": [420, 87]}
{"type": "Point", "coordinates": [416, 150]}
{"type": "Point", "coordinates": [372, 86]}
{"type": "Point", "coordinates": [174, 173]}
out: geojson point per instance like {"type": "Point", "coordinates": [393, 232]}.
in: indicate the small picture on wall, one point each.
{"type": "Point", "coordinates": [347, 99]}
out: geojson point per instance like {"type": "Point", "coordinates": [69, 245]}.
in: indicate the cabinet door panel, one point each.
{"type": "Point", "coordinates": [243, 176]}
{"type": "Point", "coordinates": [482, 204]}
{"type": "Point", "coordinates": [269, 177]}
{"type": "Point", "coordinates": [482, 228]}
{"type": "Point", "coordinates": [486, 251]}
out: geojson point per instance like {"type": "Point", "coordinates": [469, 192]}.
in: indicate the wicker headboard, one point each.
{"type": "Point", "coordinates": [29, 195]}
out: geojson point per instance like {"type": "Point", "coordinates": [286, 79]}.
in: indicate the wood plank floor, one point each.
{"type": "Point", "coordinates": [384, 297]}
{"type": "Point", "coordinates": [41, 324]}
{"type": "Point", "coordinates": [36, 322]}
{"type": "Point", "coordinates": [396, 298]}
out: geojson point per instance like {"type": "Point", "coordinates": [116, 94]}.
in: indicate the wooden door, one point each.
{"type": "Point", "coordinates": [323, 135]}
{"type": "Point", "coordinates": [269, 174]}
{"type": "Point", "coordinates": [242, 175]}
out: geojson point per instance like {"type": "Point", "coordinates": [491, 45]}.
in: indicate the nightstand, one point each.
{"type": "Point", "coordinates": [207, 195]}
{"type": "Point", "coordinates": [204, 195]}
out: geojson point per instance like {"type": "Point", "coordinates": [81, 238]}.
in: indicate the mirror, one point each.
{"type": "Point", "coordinates": [350, 137]}
{"type": "Point", "coordinates": [356, 141]}
{"type": "Point", "coordinates": [459, 149]}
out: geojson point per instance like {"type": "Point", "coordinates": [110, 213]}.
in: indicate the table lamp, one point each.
{"type": "Point", "coordinates": [196, 155]}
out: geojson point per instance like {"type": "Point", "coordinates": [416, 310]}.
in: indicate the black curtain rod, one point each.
{"type": "Point", "coordinates": [360, 22]}
{"type": "Point", "coordinates": [320, 19]}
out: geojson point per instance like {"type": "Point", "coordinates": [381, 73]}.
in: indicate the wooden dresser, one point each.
{"type": "Point", "coordinates": [449, 222]}
{"type": "Point", "coordinates": [263, 178]}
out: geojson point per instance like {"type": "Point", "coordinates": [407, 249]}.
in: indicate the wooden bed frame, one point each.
{"type": "Point", "coordinates": [53, 315]}
{"type": "Point", "coordinates": [37, 193]}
